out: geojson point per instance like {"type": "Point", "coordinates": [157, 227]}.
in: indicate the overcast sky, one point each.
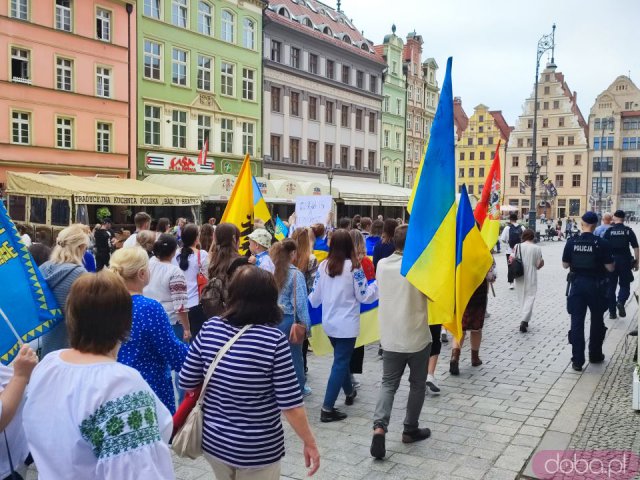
{"type": "Point", "coordinates": [493, 43]}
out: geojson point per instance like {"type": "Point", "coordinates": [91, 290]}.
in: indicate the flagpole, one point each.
{"type": "Point", "coordinates": [11, 327]}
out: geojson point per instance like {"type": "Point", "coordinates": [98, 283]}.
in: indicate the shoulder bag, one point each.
{"type": "Point", "coordinates": [298, 330]}
{"type": "Point", "coordinates": [188, 440]}
{"type": "Point", "coordinates": [200, 278]}
{"type": "Point", "coordinates": [516, 267]}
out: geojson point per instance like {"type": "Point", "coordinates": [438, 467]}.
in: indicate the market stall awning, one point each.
{"type": "Point", "coordinates": [98, 190]}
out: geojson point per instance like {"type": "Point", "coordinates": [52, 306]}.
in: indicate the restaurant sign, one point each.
{"type": "Point", "coordinates": [143, 201]}
{"type": "Point", "coordinates": [178, 163]}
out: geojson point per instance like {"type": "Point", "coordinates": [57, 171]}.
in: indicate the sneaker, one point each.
{"type": "Point", "coordinates": [511, 286]}
{"type": "Point", "coordinates": [354, 382]}
{"type": "Point", "coordinates": [306, 391]}
{"type": "Point", "coordinates": [351, 398]}
{"type": "Point", "coordinates": [432, 386]}
{"type": "Point", "coordinates": [596, 358]}
{"type": "Point", "coordinates": [378, 449]}
{"type": "Point", "coordinates": [444, 338]}
{"type": "Point", "coordinates": [415, 435]}
{"type": "Point", "coordinates": [621, 311]}
{"type": "Point", "coordinates": [334, 415]}
{"type": "Point", "coordinates": [612, 315]}
{"type": "Point", "coordinates": [576, 367]}
{"type": "Point", "coordinates": [524, 326]}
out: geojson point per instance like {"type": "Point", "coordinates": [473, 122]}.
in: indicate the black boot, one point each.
{"type": "Point", "coordinates": [410, 436]}
{"type": "Point", "coordinates": [334, 415]}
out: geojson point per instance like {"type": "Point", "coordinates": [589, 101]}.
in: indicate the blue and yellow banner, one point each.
{"type": "Point", "coordinates": [260, 208]}
{"type": "Point", "coordinates": [321, 249]}
{"type": "Point", "coordinates": [29, 309]}
{"type": "Point", "coordinates": [281, 231]}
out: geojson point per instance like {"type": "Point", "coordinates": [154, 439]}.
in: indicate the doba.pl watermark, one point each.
{"type": "Point", "coordinates": [586, 464]}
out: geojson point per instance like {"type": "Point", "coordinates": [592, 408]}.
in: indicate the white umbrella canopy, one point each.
{"type": "Point", "coordinates": [508, 208]}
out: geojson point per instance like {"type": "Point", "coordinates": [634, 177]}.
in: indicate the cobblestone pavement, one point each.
{"type": "Point", "coordinates": [488, 421]}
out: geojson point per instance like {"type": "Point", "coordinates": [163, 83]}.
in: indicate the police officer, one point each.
{"type": "Point", "coordinates": [589, 258]}
{"type": "Point", "coordinates": [620, 237]}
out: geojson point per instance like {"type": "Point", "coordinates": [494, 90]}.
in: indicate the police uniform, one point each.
{"type": "Point", "coordinates": [587, 256]}
{"type": "Point", "coordinates": [620, 237]}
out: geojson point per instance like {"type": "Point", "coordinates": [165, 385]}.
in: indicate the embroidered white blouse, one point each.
{"type": "Point", "coordinates": [98, 421]}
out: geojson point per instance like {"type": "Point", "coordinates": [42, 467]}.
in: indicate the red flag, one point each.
{"type": "Point", "coordinates": [489, 204]}
{"type": "Point", "coordinates": [202, 156]}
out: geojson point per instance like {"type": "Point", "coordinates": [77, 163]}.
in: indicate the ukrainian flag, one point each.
{"type": "Point", "coordinates": [321, 249]}
{"type": "Point", "coordinates": [281, 231]}
{"type": "Point", "coordinates": [473, 259]}
{"type": "Point", "coordinates": [429, 260]}
{"type": "Point", "coordinates": [260, 209]}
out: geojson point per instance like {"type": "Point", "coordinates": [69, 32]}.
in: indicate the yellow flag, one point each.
{"type": "Point", "coordinates": [239, 210]}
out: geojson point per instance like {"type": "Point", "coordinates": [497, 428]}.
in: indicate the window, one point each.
{"type": "Point", "coordinates": [276, 51]}
{"type": "Point", "coordinates": [520, 143]}
{"type": "Point", "coordinates": [179, 129]}
{"type": "Point", "coordinates": [103, 82]}
{"type": "Point", "coordinates": [103, 24]}
{"type": "Point", "coordinates": [227, 78]}
{"type": "Point", "coordinates": [575, 180]}
{"type": "Point", "coordinates": [204, 73]}
{"type": "Point", "coordinates": [63, 15]}
{"type": "Point", "coordinates": [346, 72]}
{"type": "Point", "coordinates": [545, 141]}
{"type": "Point", "coordinates": [60, 212]}
{"type": "Point", "coordinates": [372, 160]}
{"type": "Point", "coordinates": [410, 92]}
{"type": "Point", "coordinates": [179, 13]}
{"type": "Point", "coordinates": [490, 142]}
{"type": "Point", "coordinates": [38, 211]}
{"type": "Point", "coordinates": [514, 181]}
{"type": "Point", "coordinates": [480, 129]}
{"type": "Point", "coordinates": [248, 84]}
{"type": "Point", "coordinates": [249, 34]}
{"type": "Point", "coordinates": [461, 156]}
{"type": "Point", "coordinates": [545, 105]}
{"type": "Point", "coordinates": [204, 130]}
{"type": "Point", "coordinates": [64, 71]}
{"type": "Point", "coordinates": [515, 161]}
{"type": "Point", "coordinates": [529, 123]}
{"type": "Point", "coordinates": [471, 172]}
{"type": "Point", "coordinates": [331, 67]}
{"type": "Point", "coordinates": [179, 66]}
{"type": "Point", "coordinates": [313, 63]}
{"type": "Point", "coordinates": [529, 141]}
{"type": "Point", "coordinates": [556, 104]}
{"type": "Point", "coordinates": [20, 9]}
{"type": "Point", "coordinates": [409, 121]}
{"type": "Point", "coordinates": [481, 172]}
{"type": "Point", "coordinates": [559, 160]}
{"type": "Point", "coordinates": [560, 141]}
{"type": "Point", "coordinates": [275, 148]}
{"type": "Point", "coordinates": [295, 57]}
{"type": "Point", "coordinates": [20, 127]}
{"type": "Point", "coordinates": [20, 71]}
{"type": "Point", "coordinates": [561, 122]}
{"type": "Point", "coordinates": [151, 125]}
{"type": "Point", "coordinates": [470, 190]}
{"type": "Point", "coordinates": [344, 157]}
{"type": "Point", "coordinates": [312, 152]}
{"type": "Point", "coordinates": [152, 60]}
{"type": "Point", "coordinates": [227, 26]}
{"type": "Point", "coordinates": [248, 136]}
{"type": "Point", "coordinates": [545, 122]}
{"type": "Point", "coordinates": [472, 155]}
{"type": "Point", "coordinates": [398, 140]}
{"type": "Point", "coordinates": [204, 18]}
{"type": "Point", "coordinates": [313, 108]}
{"type": "Point", "coordinates": [417, 129]}
{"type": "Point", "coordinates": [398, 106]}
{"type": "Point", "coordinates": [605, 185]}
{"type": "Point", "coordinates": [359, 118]}
{"type": "Point", "coordinates": [480, 141]}
{"type": "Point", "coordinates": [628, 185]}
{"type": "Point", "coordinates": [294, 150]}
{"type": "Point", "coordinates": [628, 143]}
{"type": "Point", "coordinates": [294, 104]}
{"type": "Point", "coordinates": [546, 90]}
{"type": "Point", "coordinates": [372, 122]}
{"type": "Point", "coordinates": [344, 116]}
{"type": "Point", "coordinates": [628, 164]}
{"type": "Point", "coordinates": [360, 79]}
{"type": "Point", "coordinates": [358, 158]}
{"type": "Point", "coordinates": [560, 180]}
{"type": "Point", "coordinates": [386, 139]}
{"type": "Point", "coordinates": [626, 125]}
{"type": "Point", "coordinates": [152, 8]}
{"type": "Point", "coordinates": [385, 174]}
{"type": "Point", "coordinates": [328, 155]}
{"type": "Point", "coordinates": [226, 135]}
{"type": "Point", "coordinates": [482, 155]}
{"type": "Point", "coordinates": [103, 137]}
{"type": "Point", "coordinates": [544, 160]}
{"type": "Point", "coordinates": [64, 132]}
{"type": "Point", "coordinates": [328, 113]}
{"type": "Point", "coordinates": [460, 172]}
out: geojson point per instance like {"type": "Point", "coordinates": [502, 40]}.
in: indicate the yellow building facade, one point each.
{"type": "Point", "coordinates": [476, 144]}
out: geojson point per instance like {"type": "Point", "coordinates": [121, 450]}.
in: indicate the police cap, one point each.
{"type": "Point", "coordinates": [619, 214]}
{"type": "Point", "coordinates": [590, 217]}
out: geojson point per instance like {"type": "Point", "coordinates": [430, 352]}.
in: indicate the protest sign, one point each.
{"type": "Point", "coordinates": [313, 209]}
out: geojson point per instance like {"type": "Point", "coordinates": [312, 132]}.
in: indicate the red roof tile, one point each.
{"type": "Point", "coordinates": [505, 129]}
{"type": "Point", "coordinates": [574, 104]}
{"type": "Point", "coordinates": [338, 22]}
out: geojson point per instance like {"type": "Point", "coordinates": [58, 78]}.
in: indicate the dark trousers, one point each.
{"type": "Point", "coordinates": [102, 260]}
{"type": "Point", "coordinates": [357, 360]}
{"type": "Point", "coordinates": [586, 293]}
{"type": "Point", "coordinates": [436, 345]}
{"type": "Point", "coordinates": [620, 276]}
{"type": "Point", "coordinates": [196, 319]}
{"type": "Point", "coordinates": [510, 280]}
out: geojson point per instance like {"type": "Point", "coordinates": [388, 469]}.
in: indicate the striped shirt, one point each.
{"type": "Point", "coordinates": [253, 382]}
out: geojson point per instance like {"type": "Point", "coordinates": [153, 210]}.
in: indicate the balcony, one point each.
{"type": "Point", "coordinates": [26, 81]}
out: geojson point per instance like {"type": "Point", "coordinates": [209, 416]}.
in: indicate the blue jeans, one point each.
{"type": "Point", "coordinates": [296, 350]}
{"type": "Point", "coordinates": [339, 377]}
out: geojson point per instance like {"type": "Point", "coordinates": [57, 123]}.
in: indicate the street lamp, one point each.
{"type": "Point", "coordinates": [544, 44]}
{"type": "Point", "coordinates": [330, 177]}
{"type": "Point", "coordinates": [607, 123]}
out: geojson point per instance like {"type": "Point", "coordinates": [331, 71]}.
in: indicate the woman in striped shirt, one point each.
{"type": "Point", "coordinates": [253, 383]}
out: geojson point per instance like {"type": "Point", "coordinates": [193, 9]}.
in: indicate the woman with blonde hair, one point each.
{"type": "Point", "coordinates": [152, 347]}
{"type": "Point", "coordinates": [62, 269]}
{"type": "Point", "coordinates": [305, 260]}
{"type": "Point", "coordinates": [146, 239]}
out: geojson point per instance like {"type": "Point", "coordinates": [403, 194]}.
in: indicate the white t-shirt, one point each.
{"type": "Point", "coordinates": [14, 431]}
{"type": "Point", "coordinates": [191, 274]}
{"type": "Point", "coordinates": [132, 241]}
{"type": "Point", "coordinates": [99, 421]}
{"type": "Point", "coordinates": [168, 286]}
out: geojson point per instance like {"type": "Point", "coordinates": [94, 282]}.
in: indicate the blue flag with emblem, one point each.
{"type": "Point", "coordinates": [28, 309]}
{"type": "Point", "coordinates": [281, 231]}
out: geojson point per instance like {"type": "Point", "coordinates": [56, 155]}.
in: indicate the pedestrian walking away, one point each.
{"type": "Point", "coordinates": [511, 236]}
{"type": "Point", "coordinates": [530, 255]}
{"type": "Point", "coordinates": [589, 259]}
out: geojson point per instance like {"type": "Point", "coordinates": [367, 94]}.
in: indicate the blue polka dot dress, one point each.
{"type": "Point", "coordinates": [153, 348]}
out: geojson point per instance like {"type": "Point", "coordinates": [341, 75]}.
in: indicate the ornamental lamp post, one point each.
{"type": "Point", "coordinates": [607, 123]}
{"type": "Point", "coordinates": [547, 42]}
{"type": "Point", "coordinates": [330, 177]}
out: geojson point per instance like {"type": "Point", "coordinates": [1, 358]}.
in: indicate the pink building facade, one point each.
{"type": "Point", "coordinates": [66, 87]}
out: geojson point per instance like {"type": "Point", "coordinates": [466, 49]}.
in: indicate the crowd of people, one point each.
{"type": "Point", "coordinates": [139, 335]}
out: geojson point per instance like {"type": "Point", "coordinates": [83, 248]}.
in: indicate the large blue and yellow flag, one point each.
{"type": "Point", "coordinates": [429, 260]}
{"type": "Point", "coordinates": [473, 259]}
{"type": "Point", "coordinates": [28, 309]}
{"type": "Point", "coordinates": [321, 249]}
{"type": "Point", "coordinates": [281, 231]}
{"type": "Point", "coordinates": [239, 210]}
{"type": "Point", "coordinates": [260, 209]}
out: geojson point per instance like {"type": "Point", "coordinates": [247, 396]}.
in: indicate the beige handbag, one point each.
{"type": "Point", "coordinates": [188, 440]}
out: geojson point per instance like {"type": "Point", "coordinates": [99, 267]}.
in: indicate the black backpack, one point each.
{"type": "Point", "coordinates": [515, 235]}
{"type": "Point", "coordinates": [213, 297]}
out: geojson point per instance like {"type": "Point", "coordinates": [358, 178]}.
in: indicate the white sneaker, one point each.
{"type": "Point", "coordinates": [432, 386]}
{"type": "Point", "coordinates": [511, 286]}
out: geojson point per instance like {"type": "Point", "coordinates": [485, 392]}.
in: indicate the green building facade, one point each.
{"type": "Point", "coordinates": [199, 79]}
{"type": "Point", "coordinates": [393, 111]}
